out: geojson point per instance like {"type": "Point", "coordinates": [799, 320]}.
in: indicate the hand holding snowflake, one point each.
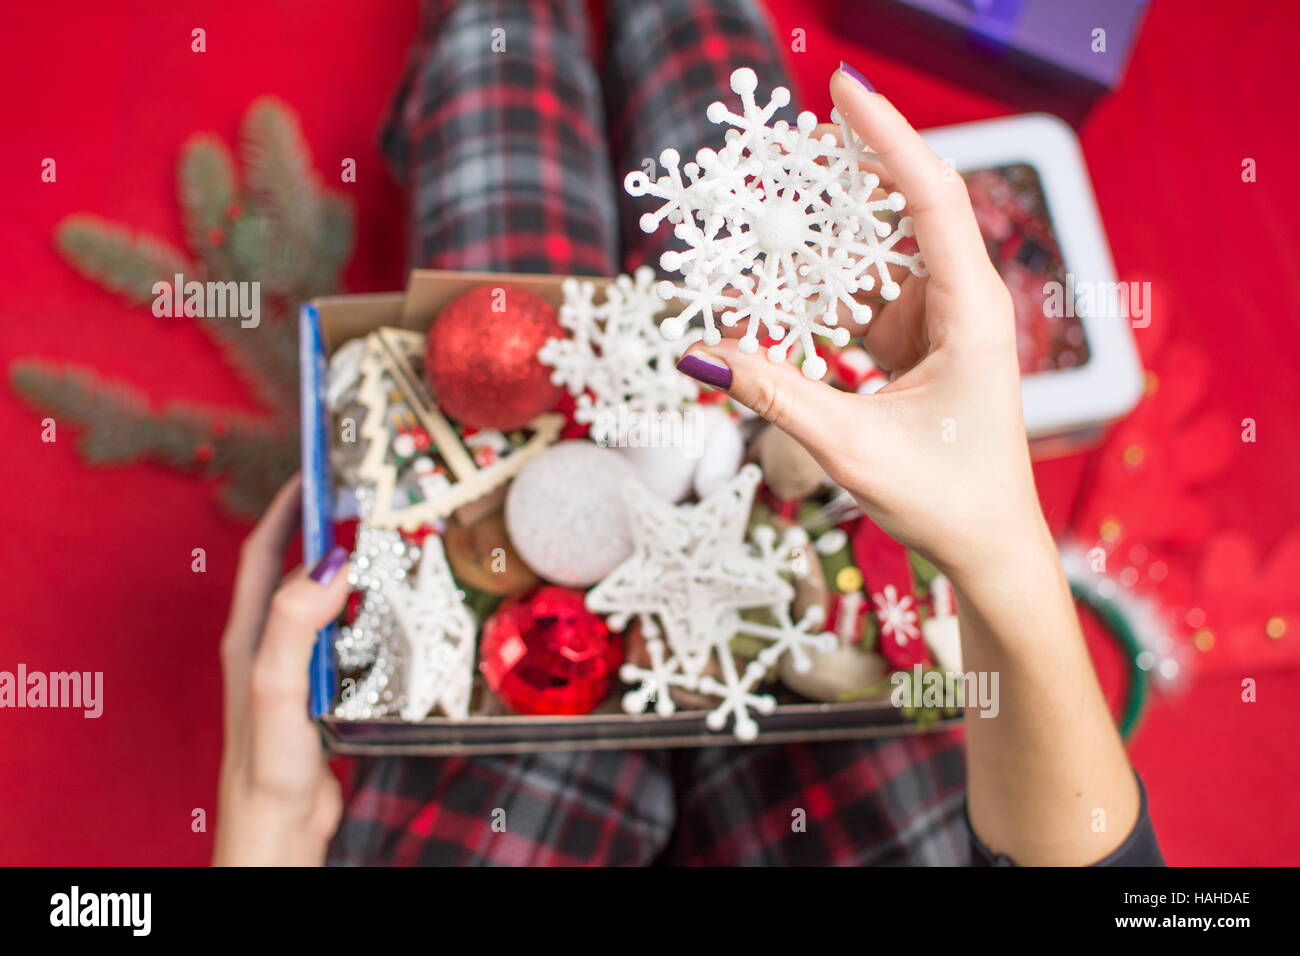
{"type": "Point", "coordinates": [781, 229]}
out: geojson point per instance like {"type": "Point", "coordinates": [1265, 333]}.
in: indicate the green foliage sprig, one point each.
{"type": "Point", "coordinates": [278, 226]}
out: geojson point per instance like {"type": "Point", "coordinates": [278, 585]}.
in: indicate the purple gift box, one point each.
{"type": "Point", "coordinates": [1084, 45]}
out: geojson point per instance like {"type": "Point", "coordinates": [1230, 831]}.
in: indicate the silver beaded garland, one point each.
{"type": "Point", "coordinates": [372, 639]}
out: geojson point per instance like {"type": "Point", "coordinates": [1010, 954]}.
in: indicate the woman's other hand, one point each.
{"type": "Point", "coordinates": [279, 804]}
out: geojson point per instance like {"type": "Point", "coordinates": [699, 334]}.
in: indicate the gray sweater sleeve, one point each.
{"type": "Point", "coordinates": [1139, 848]}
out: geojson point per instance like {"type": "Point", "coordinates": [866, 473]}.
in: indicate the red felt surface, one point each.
{"type": "Point", "coordinates": [96, 564]}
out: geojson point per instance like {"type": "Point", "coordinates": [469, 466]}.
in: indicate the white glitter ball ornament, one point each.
{"type": "Point", "coordinates": [782, 227]}
{"type": "Point", "coordinates": [565, 513]}
{"type": "Point", "coordinates": [709, 454]}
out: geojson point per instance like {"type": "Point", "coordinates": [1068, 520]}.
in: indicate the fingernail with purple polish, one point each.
{"type": "Point", "coordinates": [845, 68]}
{"type": "Point", "coordinates": [702, 370]}
{"type": "Point", "coordinates": [329, 565]}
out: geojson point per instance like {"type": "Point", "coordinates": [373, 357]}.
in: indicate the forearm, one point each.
{"type": "Point", "coordinates": [1048, 780]}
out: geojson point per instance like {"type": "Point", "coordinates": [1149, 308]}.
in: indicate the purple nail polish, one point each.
{"type": "Point", "coordinates": [329, 565]}
{"type": "Point", "coordinates": [845, 68]}
{"type": "Point", "coordinates": [719, 376]}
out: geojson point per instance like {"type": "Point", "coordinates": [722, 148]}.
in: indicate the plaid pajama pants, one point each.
{"type": "Point", "coordinates": [513, 136]}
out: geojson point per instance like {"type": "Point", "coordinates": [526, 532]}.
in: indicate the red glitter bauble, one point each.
{"type": "Point", "coordinates": [545, 653]}
{"type": "Point", "coordinates": [482, 357]}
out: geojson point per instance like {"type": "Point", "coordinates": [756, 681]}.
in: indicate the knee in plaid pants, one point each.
{"type": "Point", "coordinates": [513, 144]}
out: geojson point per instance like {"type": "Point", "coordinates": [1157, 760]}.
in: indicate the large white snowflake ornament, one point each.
{"type": "Point", "coordinates": [614, 356]}
{"type": "Point", "coordinates": [690, 575]}
{"type": "Point", "coordinates": [782, 227]}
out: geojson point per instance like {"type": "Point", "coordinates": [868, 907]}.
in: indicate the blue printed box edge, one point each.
{"type": "Point", "coordinates": [317, 493]}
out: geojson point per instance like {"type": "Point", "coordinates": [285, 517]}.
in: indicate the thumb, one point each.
{"type": "Point", "coordinates": [805, 409]}
{"type": "Point", "coordinates": [303, 604]}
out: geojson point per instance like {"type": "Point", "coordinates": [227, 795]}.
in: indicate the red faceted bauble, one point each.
{"type": "Point", "coordinates": [482, 357]}
{"type": "Point", "coordinates": [545, 653]}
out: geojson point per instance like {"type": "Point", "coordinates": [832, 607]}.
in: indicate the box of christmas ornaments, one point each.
{"type": "Point", "coordinates": [559, 541]}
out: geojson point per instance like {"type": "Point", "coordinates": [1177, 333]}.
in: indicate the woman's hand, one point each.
{"type": "Point", "coordinates": [938, 457]}
{"type": "Point", "coordinates": [279, 804]}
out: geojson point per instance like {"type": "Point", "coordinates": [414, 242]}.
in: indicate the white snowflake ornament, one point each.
{"type": "Point", "coordinates": [737, 687]}
{"type": "Point", "coordinates": [614, 356]}
{"type": "Point", "coordinates": [897, 618]}
{"type": "Point", "coordinates": [689, 568]}
{"type": "Point", "coordinates": [782, 226]}
{"type": "Point", "coordinates": [439, 633]}
{"type": "Point", "coordinates": [412, 629]}
{"type": "Point", "coordinates": [690, 576]}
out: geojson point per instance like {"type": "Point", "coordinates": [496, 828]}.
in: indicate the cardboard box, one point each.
{"type": "Point", "coordinates": [1067, 408]}
{"type": "Point", "coordinates": [324, 325]}
{"type": "Point", "coordinates": [1042, 40]}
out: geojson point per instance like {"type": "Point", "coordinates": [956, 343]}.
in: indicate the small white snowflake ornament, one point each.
{"type": "Point", "coordinates": [690, 576]}
{"type": "Point", "coordinates": [439, 632]}
{"type": "Point", "coordinates": [782, 226]}
{"type": "Point", "coordinates": [737, 688]}
{"type": "Point", "coordinates": [614, 356]}
{"type": "Point", "coordinates": [413, 629]}
{"type": "Point", "coordinates": [898, 620]}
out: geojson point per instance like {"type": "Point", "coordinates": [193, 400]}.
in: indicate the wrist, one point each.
{"type": "Point", "coordinates": [1010, 547]}
{"type": "Point", "coordinates": [263, 832]}
{"type": "Point", "coordinates": [1015, 581]}
{"type": "Point", "coordinates": [268, 847]}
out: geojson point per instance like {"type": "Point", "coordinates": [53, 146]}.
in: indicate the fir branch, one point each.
{"type": "Point", "coordinates": [282, 186]}
{"type": "Point", "coordinates": [250, 500]}
{"type": "Point", "coordinates": [207, 189]}
{"type": "Point", "coordinates": [249, 244]}
{"type": "Point", "coordinates": [283, 230]}
{"type": "Point", "coordinates": [333, 242]}
{"type": "Point", "coordinates": [77, 396]}
{"type": "Point", "coordinates": [118, 426]}
{"type": "Point", "coordinates": [256, 464]}
{"type": "Point", "coordinates": [116, 258]}
{"type": "Point", "coordinates": [265, 357]}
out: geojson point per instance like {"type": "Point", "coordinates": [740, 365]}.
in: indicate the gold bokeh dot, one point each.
{"type": "Point", "coordinates": [1203, 639]}
{"type": "Point", "coordinates": [1275, 628]}
{"type": "Point", "coordinates": [848, 580]}
{"type": "Point", "coordinates": [1110, 529]}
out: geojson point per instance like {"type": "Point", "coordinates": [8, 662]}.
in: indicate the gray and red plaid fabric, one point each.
{"type": "Point", "coordinates": [513, 143]}
{"type": "Point", "coordinates": [498, 131]}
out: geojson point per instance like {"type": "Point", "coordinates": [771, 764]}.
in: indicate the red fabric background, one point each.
{"type": "Point", "coordinates": [96, 564]}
